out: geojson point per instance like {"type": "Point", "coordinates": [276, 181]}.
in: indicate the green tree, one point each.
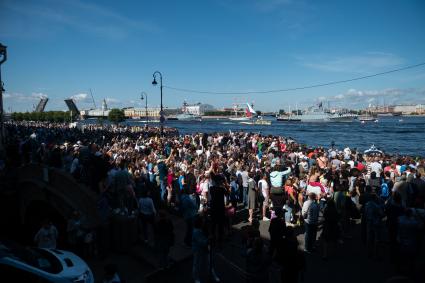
{"type": "Point", "coordinates": [26, 116]}
{"type": "Point", "coordinates": [116, 115]}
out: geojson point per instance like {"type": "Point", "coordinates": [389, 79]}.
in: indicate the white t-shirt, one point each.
{"type": "Point", "coordinates": [244, 179]}
{"type": "Point", "coordinates": [376, 167]}
{"type": "Point", "coordinates": [314, 189]}
{"type": "Point", "coordinates": [264, 187]}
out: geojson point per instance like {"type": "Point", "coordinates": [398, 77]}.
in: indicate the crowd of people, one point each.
{"type": "Point", "coordinates": [212, 179]}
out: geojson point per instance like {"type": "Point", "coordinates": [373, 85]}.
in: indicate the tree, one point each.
{"type": "Point", "coordinates": [116, 115]}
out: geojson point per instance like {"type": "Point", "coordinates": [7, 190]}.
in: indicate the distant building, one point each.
{"type": "Point", "coordinates": [409, 109]}
{"type": "Point", "coordinates": [141, 112]}
{"type": "Point", "coordinates": [153, 112]}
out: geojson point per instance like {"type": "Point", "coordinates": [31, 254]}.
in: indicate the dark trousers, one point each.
{"type": "Point", "coordinates": [277, 201]}
{"type": "Point", "coordinates": [189, 231]}
{"type": "Point", "coordinates": [145, 221]}
{"type": "Point", "coordinates": [310, 236]}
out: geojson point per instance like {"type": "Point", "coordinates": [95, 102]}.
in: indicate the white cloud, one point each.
{"type": "Point", "coordinates": [81, 97]}
{"type": "Point", "coordinates": [112, 100]}
{"type": "Point", "coordinates": [390, 96]}
{"type": "Point", "coordinates": [361, 63]}
{"type": "Point", "coordinates": [39, 95]}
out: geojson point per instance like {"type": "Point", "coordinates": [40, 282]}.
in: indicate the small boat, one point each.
{"type": "Point", "coordinates": [400, 120]}
{"type": "Point", "coordinates": [257, 122]}
{"type": "Point", "coordinates": [367, 117]}
{"type": "Point", "coordinates": [373, 151]}
{"type": "Point", "coordinates": [239, 118]}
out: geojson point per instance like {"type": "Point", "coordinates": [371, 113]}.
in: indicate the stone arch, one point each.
{"type": "Point", "coordinates": [58, 190]}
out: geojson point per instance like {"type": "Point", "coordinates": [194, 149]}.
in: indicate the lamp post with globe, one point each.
{"type": "Point", "coordinates": [161, 113]}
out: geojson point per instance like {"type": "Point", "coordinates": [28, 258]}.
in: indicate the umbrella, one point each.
{"type": "Point", "coordinates": [373, 151]}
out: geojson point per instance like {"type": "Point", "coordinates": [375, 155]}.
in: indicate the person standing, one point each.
{"type": "Point", "coordinates": [244, 176]}
{"type": "Point", "coordinates": [277, 192]}
{"type": "Point", "coordinates": [200, 250]}
{"type": "Point", "coordinates": [252, 196]}
{"type": "Point", "coordinates": [164, 239]}
{"type": "Point", "coordinates": [310, 212]}
{"type": "Point", "coordinates": [147, 213]}
{"type": "Point", "coordinates": [47, 236]}
{"type": "Point", "coordinates": [264, 191]}
{"type": "Point", "coordinates": [217, 205]}
{"type": "Point", "coordinates": [330, 228]}
{"type": "Point", "coordinates": [374, 212]}
{"type": "Point", "coordinates": [189, 210]}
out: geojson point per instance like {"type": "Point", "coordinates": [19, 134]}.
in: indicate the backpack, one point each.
{"type": "Point", "coordinates": [385, 190]}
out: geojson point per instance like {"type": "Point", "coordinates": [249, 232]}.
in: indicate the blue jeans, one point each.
{"type": "Point", "coordinates": [163, 188]}
{"type": "Point", "coordinates": [310, 236]}
{"type": "Point", "coordinates": [245, 196]}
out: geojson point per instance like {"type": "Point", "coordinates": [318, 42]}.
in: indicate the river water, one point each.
{"type": "Point", "coordinates": [396, 135]}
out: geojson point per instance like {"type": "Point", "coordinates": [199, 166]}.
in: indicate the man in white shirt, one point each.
{"type": "Point", "coordinates": [376, 167]}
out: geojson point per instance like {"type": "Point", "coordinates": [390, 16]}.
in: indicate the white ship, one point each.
{"type": "Point", "coordinates": [186, 115]}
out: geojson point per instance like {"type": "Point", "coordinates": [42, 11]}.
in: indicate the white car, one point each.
{"type": "Point", "coordinates": [24, 264]}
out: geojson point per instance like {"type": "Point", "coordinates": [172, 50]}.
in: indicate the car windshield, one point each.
{"type": "Point", "coordinates": [36, 257]}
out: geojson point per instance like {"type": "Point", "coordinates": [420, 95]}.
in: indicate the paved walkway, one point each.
{"type": "Point", "coordinates": [347, 262]}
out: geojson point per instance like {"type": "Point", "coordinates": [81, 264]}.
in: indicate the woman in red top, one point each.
{"type": "Point", "coordinates": [170, 178]}
{"type": "Point", "coordinates": [290, 191]}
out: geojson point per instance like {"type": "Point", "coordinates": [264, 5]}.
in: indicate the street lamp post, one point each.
{"type": "Point", "coordinates": [3, 58]}
{"type": "Point", "coordinates": [161, 113]}
{"type": "Point", "coordinates": [144, 96]}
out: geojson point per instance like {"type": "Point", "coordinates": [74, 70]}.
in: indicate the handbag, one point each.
{"type": "Point", "coordinates": [261, 198]}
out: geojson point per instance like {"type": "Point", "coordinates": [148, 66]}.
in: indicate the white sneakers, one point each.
{"type": "Point", "coordinates": [266, 219]}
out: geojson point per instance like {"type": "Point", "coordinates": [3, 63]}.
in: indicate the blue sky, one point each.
{"type": "Point", "coordinates": [61, 49]}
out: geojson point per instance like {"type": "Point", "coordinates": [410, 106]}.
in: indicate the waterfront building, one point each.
{"type": "Point", "coordinates": [410, 109]}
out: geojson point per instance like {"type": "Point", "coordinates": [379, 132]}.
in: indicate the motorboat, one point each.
{"type": "Point", "coordinates": [373, 151]}
{"type": "Point", "coordinates": [367, 117]}
{"type": "Point", "coordinates": [257, 122]}
{"type": "Point", "coordinates": [342, 117]}
{"type": "Point", "coordinates": [242, 118]}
